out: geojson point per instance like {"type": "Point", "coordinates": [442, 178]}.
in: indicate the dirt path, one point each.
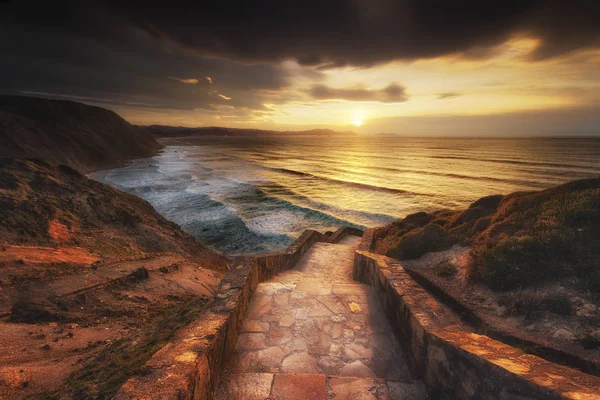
{"type": "Point", "coordinates": [314, 333]}
{"type": "Point", "coordinates": [96, 312]}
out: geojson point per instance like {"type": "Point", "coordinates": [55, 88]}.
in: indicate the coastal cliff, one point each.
{"type": "Point", "coordinates": [181, 132]}
{"type": "Point", "coordinates": [46, 205]}
{"type": "Point", "coordinates": [65, 132]}
{"type": "Point", "coordinates": [93, 281]}
{"type": "Point", "coordinates": [46, 201]}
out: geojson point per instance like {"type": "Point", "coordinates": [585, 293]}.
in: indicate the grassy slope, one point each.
{"type": "Point", "coordinates": [35, 194]}
{"type": "Point", "coordinates": [520, 240]}
{"type": "Point", "coordinates": [95, 216]}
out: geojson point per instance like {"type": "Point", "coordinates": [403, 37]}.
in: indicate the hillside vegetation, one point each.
{"type": "Point", "coordinates": [93, 281]}
{"type": "Point", "coordinates": [524, 239]}
{"type": "Point", "coordinates": [46, 205]}
{"type": "Point", "coordinates": [65, 132]}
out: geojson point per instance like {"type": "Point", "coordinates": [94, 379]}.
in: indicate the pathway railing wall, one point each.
{"type": "Point", "coordinates": [452, 360]}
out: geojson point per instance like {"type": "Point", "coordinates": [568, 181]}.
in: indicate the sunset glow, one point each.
{"type": "Point", "coordinates": [512, 77]}
{"type": "Point", "coordinates": [255, 199]}
{"type": "Point", "coordinates": [505, 84]}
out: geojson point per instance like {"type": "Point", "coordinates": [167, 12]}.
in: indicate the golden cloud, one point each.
{"type": "Point", "coordinates": [188, 81]}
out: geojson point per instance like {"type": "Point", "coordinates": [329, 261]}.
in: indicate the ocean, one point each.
{"type": "Point", "coordinates": [243, 195]}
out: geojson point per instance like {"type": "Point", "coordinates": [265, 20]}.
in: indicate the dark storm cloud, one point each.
{"type": "Point", "coordinates": [393, 93]}
{"type": "Point", "coordinates": [150, 55]}
{"type": "Point", "coordinates": [366, 32]}
{"type": "Point", "coordinates": [82, 50]}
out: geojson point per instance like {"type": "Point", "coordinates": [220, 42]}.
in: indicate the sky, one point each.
{"type": "Point", "coordinates": [412, 67]}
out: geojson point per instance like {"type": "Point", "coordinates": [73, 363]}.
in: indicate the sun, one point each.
{"type": "Point", "coordinates": [358, 118]}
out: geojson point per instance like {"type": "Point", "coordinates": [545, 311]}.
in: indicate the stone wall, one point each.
{"type": "Point", "coordinates": [341, 233]}
{"type": "Point", "coordinates": [368, 240]}
{"type": "Point", "coordinates": [190, 366]}
{"type": "Point", "coordinates": [517, 337]}
{"type": "Point", "coordinates": [453, 361]}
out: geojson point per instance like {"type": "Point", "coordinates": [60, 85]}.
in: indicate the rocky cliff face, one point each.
{"type": "Point", "coordinates": [65, 132]}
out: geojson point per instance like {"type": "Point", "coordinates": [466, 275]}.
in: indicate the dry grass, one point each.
{"type": "Point", "coordinates": [103, 374]}
{"type": "Point", "coordinates": [533, 301]}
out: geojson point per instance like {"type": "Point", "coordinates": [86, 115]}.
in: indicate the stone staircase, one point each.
{"type": "Point", "coordinates": [294, 325]}
{"type": "Point", "coordinates": [314, 333]}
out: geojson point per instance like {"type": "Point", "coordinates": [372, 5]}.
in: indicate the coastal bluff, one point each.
{"type": "Point", "coordinates": [84, 137]}
{"type": "Point", "coordinates": [93, 280]}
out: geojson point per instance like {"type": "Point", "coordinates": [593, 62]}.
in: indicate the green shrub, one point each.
{"type": "Point", "coordinates": [512, 263]}
{"type": "Point", "coordinates": [445, 270]}
{"type": "Point", "coordinates": [592, 283]}
{"type": "Point", "coordinates": [482, 224]}
{"type": "Point", "coordinates": [539, 237]}
{"type": "Point", "coordinates": [420, 241]}
{"type": "Point", "coordinates": [520, 240]}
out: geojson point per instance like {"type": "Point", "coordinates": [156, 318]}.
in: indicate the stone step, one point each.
{"type": "Point", "coordinates": [312, 332]}
{"type": "Point", "coordinates": [281, 386]}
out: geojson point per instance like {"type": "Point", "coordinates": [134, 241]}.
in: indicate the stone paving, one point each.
{"type": "Point", "coordinates": [314, 333]}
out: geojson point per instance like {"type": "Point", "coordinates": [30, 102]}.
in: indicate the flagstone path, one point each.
{"type": "Point", "coordinates": [314, 333]}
